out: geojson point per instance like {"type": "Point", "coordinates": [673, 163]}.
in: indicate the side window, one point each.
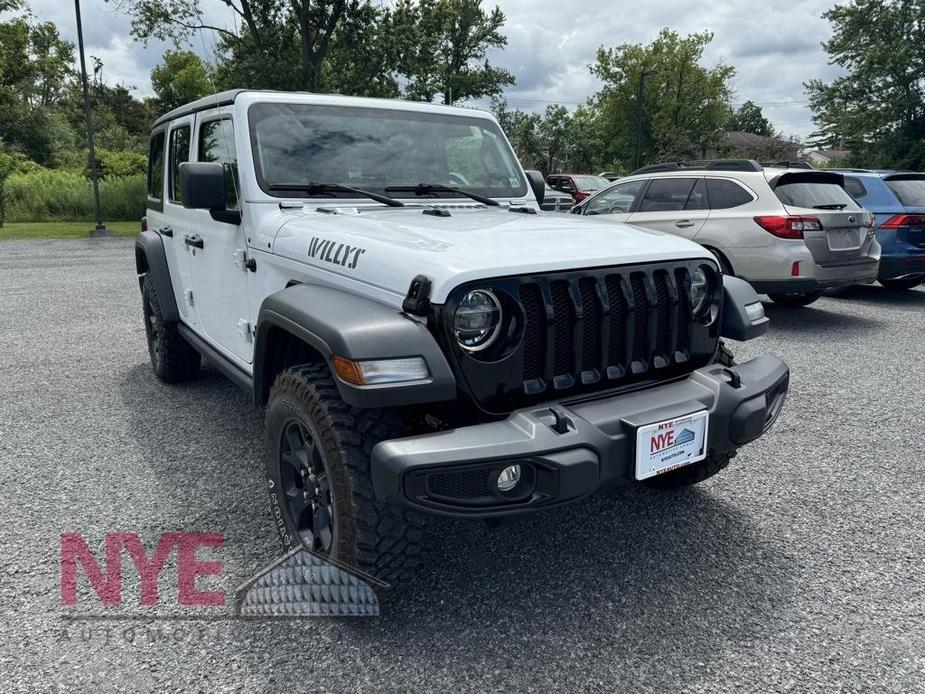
{"type": "Point", "coordinates": [667, 194]}
{"type": "Point", "coordinates": [179, 153]}
{"type": "Point", "coordinates": [855, 188]}
{"type": "Point", "coordinates": [156, 166]}
{"type": "Point", "coordinates": [697, 200]}
{"type": "Point", "coordinates": [616, 200]}
{"type": "Point", "coordinates": [725, 194]}
{"type": "Point", "coordinates": [566, 184]}
{"type": "Point", "coordinates": [216, 144]}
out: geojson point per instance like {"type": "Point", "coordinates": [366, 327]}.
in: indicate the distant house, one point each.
{"type": "Point", "coordinates": [741, 145]}
{"type": "Point", "coordinates": [828, 157]}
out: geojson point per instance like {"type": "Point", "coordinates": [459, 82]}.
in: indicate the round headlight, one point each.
{"type": "Point", "coordinates": [478, 320]}
{"type": "Point", "coordinates": [701, 291]}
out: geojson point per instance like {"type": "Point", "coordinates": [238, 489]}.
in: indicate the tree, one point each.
{"type": "Point", "coordinates": [685, 105]}
{"type": "Point", "coordinates": [877, 109]}
{"type": "Point", "coordinates": [291, 36]}
{"type": "Point", "coordinates": [35, 68]}
{"type": "Point", "coordinates": [749, 118]}
{"type": "Point", "coordinates": [181, 78]}
{"type": "Point", "coordinates": [444, 49]}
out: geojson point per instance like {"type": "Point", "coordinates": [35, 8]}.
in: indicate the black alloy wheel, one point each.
{"type": "Point", "coordinates": [306, 487]}
{"type": "Point", "coordinates": [153, 329]}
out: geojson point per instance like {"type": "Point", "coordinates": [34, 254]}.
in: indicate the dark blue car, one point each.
{"type": "Point", "coordinates": [897, 199]}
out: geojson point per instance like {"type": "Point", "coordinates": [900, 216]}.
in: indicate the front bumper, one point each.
{"type": "Point", "coordinates": [572, 448]}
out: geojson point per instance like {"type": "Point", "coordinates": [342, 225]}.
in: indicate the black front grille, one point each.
{"type": "Point", "coordinates": [604, 324]}
{"type": "Point", "coordinates": [584, 330]}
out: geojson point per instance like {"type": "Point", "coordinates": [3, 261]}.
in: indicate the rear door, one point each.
{"type": "Point", "coordinates": [674, 205]}
{"type": "Point", "coordinates": [177, 218]}
{"type": "Point", "coordinates": [220, 275]}
{"type": "Point", "coordinates": [846, 235]}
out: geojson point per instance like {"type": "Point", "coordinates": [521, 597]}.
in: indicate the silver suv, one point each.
{"type": "Point", "coordinates": [791, 233]}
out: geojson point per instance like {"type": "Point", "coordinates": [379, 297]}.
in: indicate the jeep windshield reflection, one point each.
{"type": "Point", "coordinates": [377, 149]}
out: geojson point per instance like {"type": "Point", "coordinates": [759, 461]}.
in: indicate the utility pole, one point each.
{"type": "Point", "coordinates": [640, 97]}
{"type": "Point", "coordinates": [100, 229]}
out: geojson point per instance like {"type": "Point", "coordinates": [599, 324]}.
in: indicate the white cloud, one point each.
{"type": "Point", "coordinates": [774, 47]}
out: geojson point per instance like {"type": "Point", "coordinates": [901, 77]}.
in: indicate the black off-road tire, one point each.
{"type": "Point", "coordinates": [172, 357]}
{"type": "Point", "coordinates": [709, 466]}
{"type": "Point", "coordinates": [902, 284]}
{"type": "Point", "coordinates": [795, 299]}
{"type": "Point", "coordinates": [381, 540]}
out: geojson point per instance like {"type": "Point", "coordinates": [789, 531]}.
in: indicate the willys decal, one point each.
{"type": "Point", "coordinates": [342, 254]}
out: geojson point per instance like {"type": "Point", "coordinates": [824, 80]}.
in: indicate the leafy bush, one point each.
{"type": "Point", "coordinates": [49, 195]}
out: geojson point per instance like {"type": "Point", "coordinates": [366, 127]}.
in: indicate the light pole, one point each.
{"type": "Point", "coordinates": [640, 97]}
{"type": "Point", "coordinates": [100, 229]}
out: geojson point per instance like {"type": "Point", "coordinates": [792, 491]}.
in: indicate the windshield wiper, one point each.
{"type": "Point", "coordinates": [428, 188]}
{"type": "Point", "coordinates": [832, 206]}
{"type": "Point", "coordinates": [321, 188]}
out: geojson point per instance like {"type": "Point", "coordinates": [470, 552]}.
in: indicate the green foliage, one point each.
{"type": "Point", "coordinates": [181, 78]}
{"type": "Point", "coordinates": [749, 118]}
{"type": "Point", "coordinates": [877, 109]}
{"type": "Point", "coordinates": [8, 166]}
{"type": "Point", "coordinates": [53, 195]}
{"type": "Point", "coordinates": [444, 46]}
{"type": "Point", "coordinates": [685, 105]}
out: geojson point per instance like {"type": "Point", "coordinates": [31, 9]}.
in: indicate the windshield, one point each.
{"type": "Point", "coordinates": [815, 195]}
{"type": "Point", "coordinates": [372, 149]}
{"type": "Point", "coordinates": [589, 183]}
{"type": "Point", "coordinates": [911, 192]}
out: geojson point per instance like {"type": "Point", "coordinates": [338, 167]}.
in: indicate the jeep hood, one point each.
{"type": "Point", "coordinates": [388, 247]}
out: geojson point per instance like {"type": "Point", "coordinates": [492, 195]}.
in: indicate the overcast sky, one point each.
{"type": "Point", "coordinates": [774, 46]}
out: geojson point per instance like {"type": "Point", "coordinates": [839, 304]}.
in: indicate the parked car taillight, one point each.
{"type": "Point", "coordinates": [579, 196]}
{"type": "Point", "coordinates": [904, 220]}
{"type": "Point", "coordinates": [791, 227]}
{"type": "Point", "coordinates": [144, 223]}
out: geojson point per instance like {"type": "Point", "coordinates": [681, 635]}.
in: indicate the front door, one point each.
{"type": "Point", "coordinates": [220, 274]}
{"type": "Point", "coordinates": [615, 202]}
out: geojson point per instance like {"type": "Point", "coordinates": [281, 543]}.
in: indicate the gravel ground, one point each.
{"type": "Point", "coordinates": [797, 569]}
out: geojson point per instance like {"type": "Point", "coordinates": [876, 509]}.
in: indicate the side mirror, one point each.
{"type": "Point", "coordinates": [202, 185]}
{"type": "Point", "coordinates": [538, 184]}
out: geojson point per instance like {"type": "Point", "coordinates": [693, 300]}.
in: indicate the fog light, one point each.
{"type": "Point", "coordinates": [508, 478]}
{"type": "Point", "coordinates": [755, 311]}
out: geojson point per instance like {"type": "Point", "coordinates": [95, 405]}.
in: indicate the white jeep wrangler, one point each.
{"type": "Point", "coordinates": [423, 340]}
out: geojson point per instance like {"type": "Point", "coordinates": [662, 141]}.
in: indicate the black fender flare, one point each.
{"type": "Point", "coordinates": [150, 259]}
{"type": "Point", "coordinates": [737, 323]}
{"type": "Point", "coordinates": [336, 323]}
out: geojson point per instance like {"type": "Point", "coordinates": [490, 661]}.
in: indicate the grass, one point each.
{"type": "Point", "coordinates": [62, 230]}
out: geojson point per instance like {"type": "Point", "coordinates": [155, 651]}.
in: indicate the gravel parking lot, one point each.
{"type": "Point", "coordinates": [797, 569]}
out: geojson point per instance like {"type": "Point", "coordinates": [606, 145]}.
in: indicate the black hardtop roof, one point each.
{"type": "Point", "coordinates": [212, 101]}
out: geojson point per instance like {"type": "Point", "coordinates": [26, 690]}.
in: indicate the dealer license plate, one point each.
{"type": "Point", "coordinates": [671, 444]}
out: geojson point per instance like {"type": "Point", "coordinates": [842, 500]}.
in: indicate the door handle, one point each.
{"type": "Point", "coordinates": [684, 223]}
{"type": "Point", "coordinates": [194, 240]}
{"type": "Point", "coordinates": [165, 231]}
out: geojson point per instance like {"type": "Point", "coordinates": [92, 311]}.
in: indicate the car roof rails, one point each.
{"type": "Point", "coordinates": [708, 165]}
{"type": "Point", "coordinates": [785, 164]}
{"type": "Point", "coordinates": [840, 170]}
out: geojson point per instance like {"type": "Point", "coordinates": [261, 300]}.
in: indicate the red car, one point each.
{"type": "Point", "coordinates": [579, 186]}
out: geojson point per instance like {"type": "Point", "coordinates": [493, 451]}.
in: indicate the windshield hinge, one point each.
{"type": "Point", "coordinates": [417, 300]}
